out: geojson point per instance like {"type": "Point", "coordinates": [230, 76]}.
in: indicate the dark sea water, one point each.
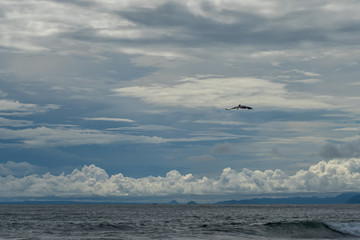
{"type": "Point", "coordinates": [179, 222]}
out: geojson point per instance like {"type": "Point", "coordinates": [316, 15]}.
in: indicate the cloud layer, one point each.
{"type": "Point", "coordinates": [91, 181]}
{"type": "Point", "coordinates": [220, 92]}
{"type": "Point", "coordinates": [145, 83]}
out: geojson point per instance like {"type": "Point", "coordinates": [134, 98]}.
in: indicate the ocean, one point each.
{"type": "Point", "coordinates": [146, 221]}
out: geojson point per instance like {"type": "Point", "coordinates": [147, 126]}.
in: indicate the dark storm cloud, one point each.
{"type": "Point", "coordinates": [223, 148]}
{"type": "Point", "coordinates": [76, 3]}
{"type": "Point", "coordinates": [344, 150]}
{"type": "Point", "coordinates": [245, 28]}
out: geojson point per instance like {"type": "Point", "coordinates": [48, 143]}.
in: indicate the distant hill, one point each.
{"type": "Point", "coordinates": [344, 198]}
{"type": "Point", "coordinates": [354, 199]}
{"type": "Point", "coordinates": [60, 202]}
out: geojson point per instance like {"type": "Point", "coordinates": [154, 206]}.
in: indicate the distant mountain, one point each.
{"type": "Point", "coordinates": [354, 199]}
{"type": "Point", "coordinates": [61, 202]}
{"type": "Point", "coordinates": [343, 198]}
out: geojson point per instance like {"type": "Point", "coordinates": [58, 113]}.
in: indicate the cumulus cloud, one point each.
{"type": "Point", "coordinates": [332, 176]}
{"type": "Point", "coordinates": [18, 169]}
{"type": "Point", "coordinates": [220, 92]}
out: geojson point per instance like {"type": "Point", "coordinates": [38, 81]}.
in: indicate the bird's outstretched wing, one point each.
{"type": "Point", "coordinates": [231, 108]}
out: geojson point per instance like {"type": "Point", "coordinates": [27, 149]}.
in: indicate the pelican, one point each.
{"type": "Point", "coordinates": [239, 107]}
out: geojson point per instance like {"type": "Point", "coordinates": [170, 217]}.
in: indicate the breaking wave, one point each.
{"type": "Point", "coordinates": [347, 228]}
{"type": "Point", "coordinates": [310, 229]}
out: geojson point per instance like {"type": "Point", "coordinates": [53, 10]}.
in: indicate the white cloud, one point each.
{"type": "Point", "coordinates": [352, 129]}
{"type": "Point", "coordinates": [154, 52]}
{"type": "Point", "coordinates": [308, 81]}
{"type": "Point", "coordinates": [17, 169]}
{"type": "Point", "coordinates": [305, 73]}
{"type": "Point", "coordinates": [223, 92]}
{"type": "Point", "coordinates": [145, 128]}
{"type": "Point", "coordinates": [2, 94]}
{"type": "Point", "coordinates": [110, 119]}
{"type": "Point", "coordinates": [70, 136]}
{"type": "Point", "coordinates": [14, 123]}
{"type": "Point", "coordinates": [10, 107]}
{"type": "Point", "coordinates": [62, 135]}
{"type": "Point", "coordinates": [217, 122]}
{"type": "Point", "coordinates": [332, 176]}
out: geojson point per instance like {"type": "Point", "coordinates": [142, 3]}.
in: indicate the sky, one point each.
{"type": "Point", "coordinates": [119, 99]}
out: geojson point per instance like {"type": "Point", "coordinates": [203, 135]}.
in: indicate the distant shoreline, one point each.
{"type": "Point", "coordinates": [344, 198]}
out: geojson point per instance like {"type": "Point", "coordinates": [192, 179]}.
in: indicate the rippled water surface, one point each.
{"type": "Point", "coordinates": [179, 222]}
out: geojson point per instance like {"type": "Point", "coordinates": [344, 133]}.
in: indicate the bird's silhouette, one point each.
{"type": "Point", "coordinates": [239, 107]}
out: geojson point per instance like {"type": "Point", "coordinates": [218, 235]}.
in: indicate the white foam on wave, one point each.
{"type": "Point", "coordinates": [351, 228]}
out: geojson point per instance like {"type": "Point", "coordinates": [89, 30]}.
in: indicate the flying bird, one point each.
{"type": "Point", "coordinates": [239, 107]}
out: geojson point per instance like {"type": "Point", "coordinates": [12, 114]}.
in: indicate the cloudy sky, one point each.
{"type": "Point", "coordinates": [127, 98]}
